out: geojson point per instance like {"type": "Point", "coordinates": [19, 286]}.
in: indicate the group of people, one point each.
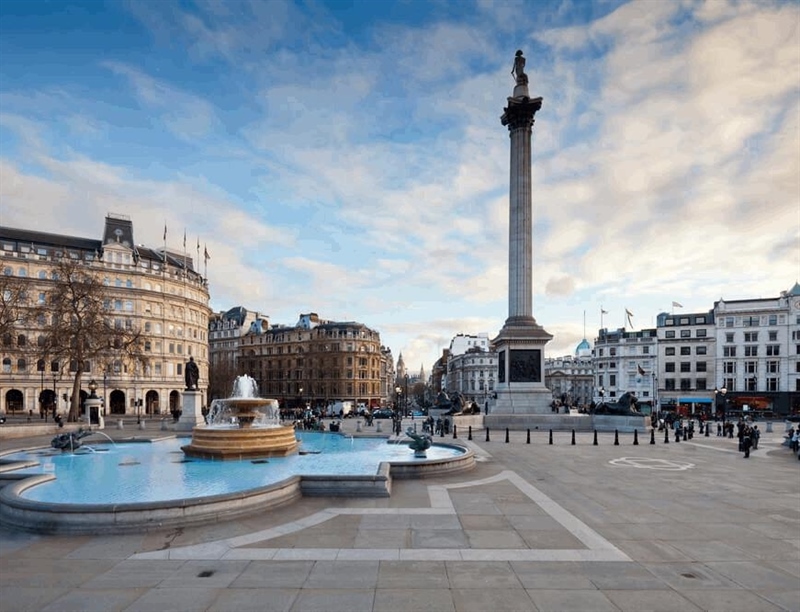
{"type": "Point", "coordinates": [748, 435]}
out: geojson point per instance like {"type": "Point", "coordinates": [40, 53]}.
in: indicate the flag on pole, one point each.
{"type": "Point", "coordinates": [640, 369]}
{"type": "Point", "coordinates": [165, 232]}
{"type": "Point", "coordinates": [629, 315]}
{"type": "Point", "coordinates": [602, 312]}
{"type": "Point", "coordinates": [184, 238]}
{"type": "Point", "coordinates": [677, 305]}
{"type": "Point", "coordinates": [205, 253]}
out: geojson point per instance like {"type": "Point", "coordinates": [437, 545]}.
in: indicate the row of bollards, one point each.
{"type": "Point", "coordinates": [572, 439]}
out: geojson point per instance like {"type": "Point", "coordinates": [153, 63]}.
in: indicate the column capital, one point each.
{"type": "Point", "coordinates": [520, 111]}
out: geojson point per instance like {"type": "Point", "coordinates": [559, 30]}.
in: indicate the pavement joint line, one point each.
{"type": "Point", "coordinates": [597, 547]}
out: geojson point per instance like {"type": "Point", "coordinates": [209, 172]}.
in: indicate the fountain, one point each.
{"type": "Point", "coordinates": [243, 426]}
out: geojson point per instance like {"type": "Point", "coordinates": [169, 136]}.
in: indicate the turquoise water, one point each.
{"type": "Point", "coordinates": [141, 472]}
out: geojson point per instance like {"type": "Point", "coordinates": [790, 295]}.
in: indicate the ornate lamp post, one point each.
{"type": "Point", "coordinates": [722, 391]}
{"type": "Point", "coordinates": [398, 393]}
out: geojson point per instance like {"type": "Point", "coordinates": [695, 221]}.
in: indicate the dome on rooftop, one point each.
{"type": "Point", "coordinates": [584, 349]}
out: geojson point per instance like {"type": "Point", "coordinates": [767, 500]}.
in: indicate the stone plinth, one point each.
{"type": "Point", "coordinates": [191, 415]}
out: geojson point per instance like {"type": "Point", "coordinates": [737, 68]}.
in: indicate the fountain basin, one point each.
{"type": "Point", "coordinates": [241, 443]}
{"type": "Point", "coordinates": [176, 492]}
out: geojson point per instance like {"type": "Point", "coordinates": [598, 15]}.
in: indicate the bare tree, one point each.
{"type": "Point", "coordinates": [220, 379]}
{"type": "Point", "coordinates": [80, 325]}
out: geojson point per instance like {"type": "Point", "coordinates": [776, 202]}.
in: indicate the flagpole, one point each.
{"type": "Point", "coordinates": [601, 316]}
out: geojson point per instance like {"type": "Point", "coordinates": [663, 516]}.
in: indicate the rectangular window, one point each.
{"type": "Point", "coordinates": [751, 351]}
{"type": "Point", "coordinates": [729, 321]}
{"type": "Point", "coordinates": [750, 321]}
{"type": "Point", "coordinates": [669, 322]}
{"type": "Point", "coordinates": [669, 384]}
{"type": "Point", "coordinates": [773, 336]}
{"type": "Point", "coordinates": [701, 333]}
{"type": "Point", "coordinates": [686, 384]}
{"type": "Point", "coordinates": [773, 320]}
{"type": "Point", "coordinates": [701, 366]}
{"type": "Point", "coordinates": [686, 333]}
{"type": "Point", "coordinates": [686, 350]}
{"type": "Point", "coordinates": [750, 384]}
{"type": "Point", "coordinates": [729, 351]}
{"type": "Point", "coordinates": [773, 367]}
{"type": "Point", "coordinates": [773, 350]}
{"type": "Point", "coordinates": [669, 351]}
{"type": "Point", "coordinates": [700, 384]}
{"type": "Point", "coordinates": [684, 321]}
{"type": "Point", "coordinates": [686, 366]}
{"type": "Point", "coordinates": [612, 352]}
{"type": "Point", "coordinates": [669, 366]}
{"type": "Point", "coordinates": [729, 337]}
{"type": "Point", "coordinates": [701, 350]}
{"type": "Point", "coordinates": [729, 367]}
{"type": "Point", "coordinates": [772, 384]}
{"type": "Point", "coordinates": [750, 367]}
{"type": "Point", "coordinates": [751, 336]}
{"type": "Point", "coordinates": [612, 380]}
{"type": "Point", "coordinates": [670, 333]}
{"type": "Point", "coordinates": [700, 320]}
{"type": "Point", "coordinates": [645, 350]}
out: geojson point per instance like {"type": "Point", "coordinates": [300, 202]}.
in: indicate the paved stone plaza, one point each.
{"type": "Point", "coordinates": [688, 526]}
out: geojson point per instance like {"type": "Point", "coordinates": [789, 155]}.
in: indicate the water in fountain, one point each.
{"type": "Point", "coordinates": [223, 412]}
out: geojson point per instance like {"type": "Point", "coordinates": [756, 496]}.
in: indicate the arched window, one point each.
{"type": "Point", "coordinates": [54, 366]}
{"type": "Point", "coordinates": [8, 272]}
{"type": "Point", "coordinates": [40, 365]}
{"type": "Point", "coordinates": [43, 274]}
{"type": "Point", "coordinates": [7, 365]}
{"type": "Point", "coordinates": [54, 276]}
{"type": "Point", "coordinates": [22, 365]}
{"type": "Point", "coordinates": [7, 339]}
{"type": "Point", "coordinates": [118, 281]}
{"type": "Point", "coordinates": [22, 272]}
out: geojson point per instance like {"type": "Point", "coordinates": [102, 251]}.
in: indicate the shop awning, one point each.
{"type": "Point", "coordinates": [694, 400]}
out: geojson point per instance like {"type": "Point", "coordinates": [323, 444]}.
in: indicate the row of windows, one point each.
{"type": "Point", "coordinates": [686, 366]}
{"type": "Point", "coordinates": [687, 333]}
{"type": "Point", "coordinates": [772, 350]}
{"type": "Point", "coordinates": [686, 350]}
{"type": "Point", "coordinates": [751, 384]}
{"type": "Point", "coordinates": [753, 321]}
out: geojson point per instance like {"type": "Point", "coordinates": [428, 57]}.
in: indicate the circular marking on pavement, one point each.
{"type": "Point", "coordinates": [652, 464]}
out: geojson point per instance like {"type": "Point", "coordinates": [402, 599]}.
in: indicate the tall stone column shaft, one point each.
{"type": "Point", "coordinates": [518, 116]}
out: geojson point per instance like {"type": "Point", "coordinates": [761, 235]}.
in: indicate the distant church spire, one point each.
{"type": "Point", "coordinates": [401, 367]}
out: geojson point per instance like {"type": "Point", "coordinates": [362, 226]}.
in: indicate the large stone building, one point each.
{"type": "Point", "coordinates": [571, 378]}
{"type": "Point", "coordinates": [686, 362]}
{"type": "Point", "coordinates": [156, 291]}
{"type": "Point", "coordinates": [758, 354]}
{"type": "Point", "coordinates": [225, 332]}
{"type": "Point", "coordinates": [317, 362]}
{"type": "Point", "coordinates": [625, 361]}
{"type": "Point", "coordinates": [471, 368]}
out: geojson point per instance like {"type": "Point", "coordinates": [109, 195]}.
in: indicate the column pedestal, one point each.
{"type": "Point", "coordinates": [192, 414]}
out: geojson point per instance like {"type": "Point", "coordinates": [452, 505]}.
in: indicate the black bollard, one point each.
{"type": "Point", "coordinates": [616, 437]}
{"type": "Point", "coordinates": [666, 435]}
{"type": "Point", "coordinates": [595, 438]}
{"type": "Point", "coordinates": [506, 435]}
{"type": "Point", "coordinates": [469, 433]}
{"type": "Point", "coordinates": [708, 426]}
{"type": "Point", "coordinates": [636, 437]}
{"type": "Point", "coordinates": [455, 435]}
{"type": "Point", "coordinates": [487, 434]}
{"type": "Point", "coordinates": [573, 437]}
{"type": "Point", "coordinates": [653, 436]}
{"type": "Point", "coordinates": [528, 440]}
{"type": "Point", "coordinates": [677, 435]}
{"type": "Point", "coordinates": [551, 437]}
{"type": "Point", "coordinates": [441, 431]}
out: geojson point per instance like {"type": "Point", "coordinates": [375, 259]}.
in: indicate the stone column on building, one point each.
{"type": "Point", "coordinates": [520, 344]}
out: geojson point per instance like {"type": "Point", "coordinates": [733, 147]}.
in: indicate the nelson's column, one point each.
{"type": "Point", "coordinates": [520, 344]}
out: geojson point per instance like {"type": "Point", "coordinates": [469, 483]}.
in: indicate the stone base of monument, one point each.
{"type": "Point", "coordinates": [623, 424]}
{"type": "Point", "coordinates": [541, 422]}
{"type": "Point", "coordinates": [192, 414]}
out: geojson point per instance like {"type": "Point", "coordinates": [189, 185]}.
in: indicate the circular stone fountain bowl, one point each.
{"type": "Point", "coordinates": [241, 443]}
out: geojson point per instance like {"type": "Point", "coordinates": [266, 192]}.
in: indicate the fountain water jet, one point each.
{"type": "Point", "coordinates": [243, 426]}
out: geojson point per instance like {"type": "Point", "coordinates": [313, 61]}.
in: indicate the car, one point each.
{"type": "Point", "coordinates": [382, 414]}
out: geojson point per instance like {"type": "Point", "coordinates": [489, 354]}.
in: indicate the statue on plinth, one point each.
{"type": "Point", "coordinates": [191, 374]}
{"type": "Point", "coordinates": [518, 71]}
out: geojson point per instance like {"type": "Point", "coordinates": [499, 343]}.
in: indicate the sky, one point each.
{"type": "Point", "coordinates": [347, 157]}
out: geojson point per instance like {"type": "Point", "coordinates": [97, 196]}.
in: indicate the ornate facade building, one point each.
{"type": "Point", "coordinates": [156, 291]}
{"type": "Point", "coordinates": [225, 333]}
{"type": "Point", "coordinates": [317, 362]}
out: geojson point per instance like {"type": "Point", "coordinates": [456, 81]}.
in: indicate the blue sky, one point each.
{"type": "Point", "coordinates": [347, 158]}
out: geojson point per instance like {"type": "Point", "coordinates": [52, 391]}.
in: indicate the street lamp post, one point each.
{"type": "Point", "coordinates": [105, 381]}
{"type": "Point", "coordinates": [406, 396]}
{"type": "Point", "coordinates": [722, 391]}
{"type": "Point", "coordinates": [55, 398]}
{"type": "Point", "coordinates": [398, 393]}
